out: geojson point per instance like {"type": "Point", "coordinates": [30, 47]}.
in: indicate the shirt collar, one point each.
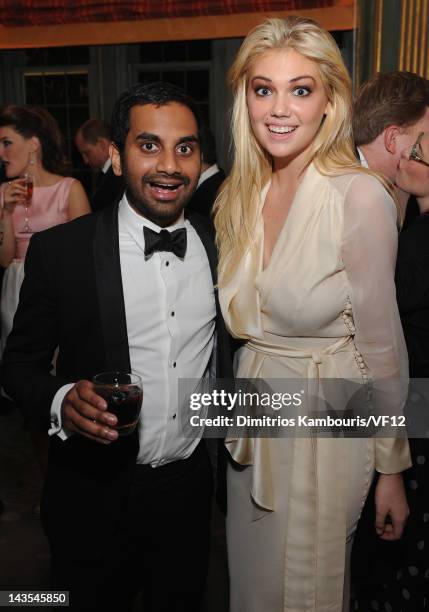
{"type": "Point", "coordinates": [213, 169]}
{"type": "Point", "coordinates": [363, 161]}
{"type": "Point", "coordinates": [134, 222]}
{"type": "Point", "coordinates": [106, 166]}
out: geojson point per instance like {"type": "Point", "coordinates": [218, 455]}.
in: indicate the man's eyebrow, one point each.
{"type": "Point", "coordinates": [148, 136]}
{"type": "Point", "coordinates": [191, 138]}
{"type": "Point", "coordinates": [155, 138]}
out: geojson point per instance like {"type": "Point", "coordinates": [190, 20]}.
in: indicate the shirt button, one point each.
{"type": "Point", "coordinates": [174, 364]}
{"type": "Point", "coordinates": [174, 416]}
{"type": "Point", "coordinates": [167, 263]}
{"type": "Point", "coordinates": [172, 313]}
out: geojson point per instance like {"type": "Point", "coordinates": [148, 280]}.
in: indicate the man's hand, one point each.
{"type": "Point", "coordinates": [391, 507]}
{"type": "Point", "coordinates": [84, 412]}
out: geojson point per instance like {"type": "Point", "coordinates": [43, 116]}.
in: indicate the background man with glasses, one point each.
{"type": "Point", "coordinates": [391, 119]}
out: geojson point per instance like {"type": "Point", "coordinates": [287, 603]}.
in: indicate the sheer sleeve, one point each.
{"type": "Point", "coordinates": [369, 247]}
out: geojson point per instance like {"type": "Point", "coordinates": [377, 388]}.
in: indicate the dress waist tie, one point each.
{"type": "Point", "coordinates": [315, 356]}
{"type": "Point", "coordinates": [243, 449]}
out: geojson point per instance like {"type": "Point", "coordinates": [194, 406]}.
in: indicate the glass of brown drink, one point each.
{"type": "Point", "coordinates": [123, 393]}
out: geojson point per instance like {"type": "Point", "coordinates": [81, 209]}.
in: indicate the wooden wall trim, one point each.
{"type": "Point", "coordinates": [414, 37]}
{"type": "Point", "coordinates": [340, 17]}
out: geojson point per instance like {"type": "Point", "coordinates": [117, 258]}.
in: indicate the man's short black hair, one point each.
{"type": "Point", "coordinates": [158, 93]}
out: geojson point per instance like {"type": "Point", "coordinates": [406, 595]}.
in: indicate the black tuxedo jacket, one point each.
{"type": "Point", "coordinates": [72, 297]}
{"type": "Point", "coordinates": [107, 191]}
{"type": "Point", "coordinates": [203, 199]}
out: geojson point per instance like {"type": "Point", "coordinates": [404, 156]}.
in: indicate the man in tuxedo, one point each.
{"type": "Point", "coordinates": [93, 140]}
{"type": "Point", "coordinates": [211, 177]}
{"type": "Point", "coordinates": [129, 288]}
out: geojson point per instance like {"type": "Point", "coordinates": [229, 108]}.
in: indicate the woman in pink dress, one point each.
{"type": "Point", "coordinates": [31, 144]}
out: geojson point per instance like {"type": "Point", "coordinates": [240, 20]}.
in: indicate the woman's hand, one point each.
{"type": "Point", "coordinates": [11, 194]}
{"type": "Point", "coordinates": [14, 193]}
{"type": "Point", "coordinates": [391, 506]}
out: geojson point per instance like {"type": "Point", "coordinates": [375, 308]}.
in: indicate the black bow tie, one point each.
{"type": "Point", "coordinates": [174, 242]}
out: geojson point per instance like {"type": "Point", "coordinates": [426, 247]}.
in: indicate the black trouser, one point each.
{"type": "Point", "coordinates": [161, 545]}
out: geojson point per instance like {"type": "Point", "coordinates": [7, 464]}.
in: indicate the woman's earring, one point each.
{"type": "Point", "coordinates": [31, 160]}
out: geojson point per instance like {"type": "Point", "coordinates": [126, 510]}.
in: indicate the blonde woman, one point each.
{"type": "Point", "coordinates": [307, 253]}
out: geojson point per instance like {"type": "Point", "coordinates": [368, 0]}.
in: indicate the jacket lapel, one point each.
{"type": "Point", "coordinates": [110, 290]}
{"type": "Point", "coordinates": [206, 235]}
{"type": "Point", "coordinates": [222, 341]}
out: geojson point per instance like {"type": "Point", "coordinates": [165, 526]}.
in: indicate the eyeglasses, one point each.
{"type": "Point", "coordinates": [414, 155]}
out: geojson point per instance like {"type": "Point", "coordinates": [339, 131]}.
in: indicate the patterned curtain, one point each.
{"type": "Point", "coordinates": [46, 12]}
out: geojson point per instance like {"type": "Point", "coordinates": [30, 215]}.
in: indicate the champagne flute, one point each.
{"type": "Point", "coordinates": [28, 184]}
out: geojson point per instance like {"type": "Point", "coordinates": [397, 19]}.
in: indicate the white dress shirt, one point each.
{"type": "Point", "coordinates": [170, 313]}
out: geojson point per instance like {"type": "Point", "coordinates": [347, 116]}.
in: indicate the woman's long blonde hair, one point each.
{"type": "Point", "coordinates": [332, 150]}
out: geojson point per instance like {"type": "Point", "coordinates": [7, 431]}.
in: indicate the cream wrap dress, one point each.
{"type": "Point", "coordinates": [324, 307]}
